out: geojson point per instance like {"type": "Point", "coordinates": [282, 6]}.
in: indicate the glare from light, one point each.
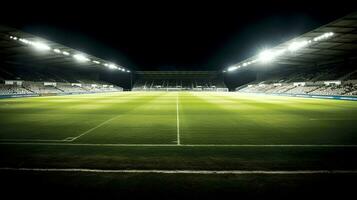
{"type": "Point", "coordinates": [297, 45]}
{"type": "Point", "coordinates": [25, 41]}
{"type": "Point", "coordinates": [266, 56]}
{"type": "Point", "coordinates": [81, 58]}
{"type": "Point", "coordinates": [269, 55]}
{"type": "Point", "coordinates": [232, 68]}
{"type": "Point", "coordinates": [112, 66]}
{"type": "Point", "coordinates": [40, 46]}
{"type": "Point", "coordinates": [323, 36]}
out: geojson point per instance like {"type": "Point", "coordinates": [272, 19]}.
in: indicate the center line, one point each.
{"type": "Point", "coordinates": [178, 120]}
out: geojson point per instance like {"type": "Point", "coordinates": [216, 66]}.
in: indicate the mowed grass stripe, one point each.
{"type": "Point", "coordinates": [34, 142]}
{"type": "Point", "coordinates": [197, 118]}
{"type": "Point", "coordinates": [210, 118]}
{"type": "Point", "coordinates": [151, 121]}
{"type": "Point", "coordinates": [64, 119]}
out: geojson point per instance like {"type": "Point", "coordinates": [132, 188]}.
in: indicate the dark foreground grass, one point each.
{"type": "Point", "coordinates": [184, 158]}
{"type": "Point", "coordinates": [62, 185]}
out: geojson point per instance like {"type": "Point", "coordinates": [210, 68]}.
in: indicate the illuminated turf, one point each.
{"type": "Point", "coordinates": [204, 118]}
{"type": "Point", "coordinates": [67, 131]}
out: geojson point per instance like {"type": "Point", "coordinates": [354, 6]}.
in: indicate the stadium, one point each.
{"type": "Point", "coordinates": [280, 123]}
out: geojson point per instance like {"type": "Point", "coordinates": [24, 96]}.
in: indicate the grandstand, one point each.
{"type": "Point", "coordinates": [29, 88]}
{"type": "Point", "coordinates": [55, 70]}
{"type": "Point", "coordinates": [179, 81]}
{"type": "Point", "coordinates": [325, 82]}
{"type": "Point", "coordinates": [319, 88]}
{"type": "Point", "coordinates": [321, 63]}
{"type": "Point", "coordinates": [17, 81]}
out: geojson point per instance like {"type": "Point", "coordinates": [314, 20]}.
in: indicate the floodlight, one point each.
{"type": "Point", "coordinates": [297, 45]}
{"type": "Point", "coordinates": [65, 53]}
{"type": "Point", "coordinates": [81, 58]}
{"type": "Point", "coordinates": [266, 56]}
{"type": "Point", "coordinates": [96, 62]}
{"type": "Point", "coordinates": [15, 38]}
{"type": "Point", "coordinates": [254, 61]}
{"type": "Point", "coordinates": [25, 41]}
{"type": "Point", "coordinates": [40, 46]}
{"type": "Point", "coordinates": [323, 36]}
{"type": "Point", "coordinates": [232, 68]}
{"type": "Point", "coordinates": [128, 71]}
{"type": "Point", "coordinates": [57, 50]}
{"type": "Point", "coordinates": [112, 66]}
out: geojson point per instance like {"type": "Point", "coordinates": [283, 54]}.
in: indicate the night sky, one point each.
{"type": "Point", "coordinates": [173, 36]}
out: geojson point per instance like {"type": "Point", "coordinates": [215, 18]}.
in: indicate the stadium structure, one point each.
{"type": "Point", "coordinates": [320, 63]}
{"type": "Point", "coordinates": [280, 123]}
{"type": "Point", "coordinates": [179, 81]}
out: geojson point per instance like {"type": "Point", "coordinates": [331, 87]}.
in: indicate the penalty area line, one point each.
{"type": "Point", "coordinates": [90, 130]}
{"type": "Point", "coordinates": [157, 171]}
{"type": "Point", "coordinates": [29, 140]}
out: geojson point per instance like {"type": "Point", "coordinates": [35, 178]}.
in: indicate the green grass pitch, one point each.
{"type": "Point", "coordinates": [202, 118]}
{"type": "Point", "coordinates": [178, 131]}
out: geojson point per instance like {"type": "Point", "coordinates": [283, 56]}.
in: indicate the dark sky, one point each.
{"type": "Point", "coordinates": [173, 36]}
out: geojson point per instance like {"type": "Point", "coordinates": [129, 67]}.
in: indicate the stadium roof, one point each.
{"type": "Point", "coordinates": [23, 48]}
{"type": "Point", "coordinates": [330, 43]}
{"type": "Point", "coordinates": [175, 74]}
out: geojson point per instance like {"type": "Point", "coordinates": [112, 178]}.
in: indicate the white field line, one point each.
{"type": "Point", "coordinates": [182, 145]}
{"type": "Point", "coordinates": [331, 119]}
{"type": "Point", "coordinates": [92, 129]}
{"type": "Point", "coordinates": [68, 139]}
{"type": "Point", "coordinates": [29, 140]}
{"type": "Point", "coordinates": [178, 120]}
{"type": "Point", "coordinates": [182, 171]}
